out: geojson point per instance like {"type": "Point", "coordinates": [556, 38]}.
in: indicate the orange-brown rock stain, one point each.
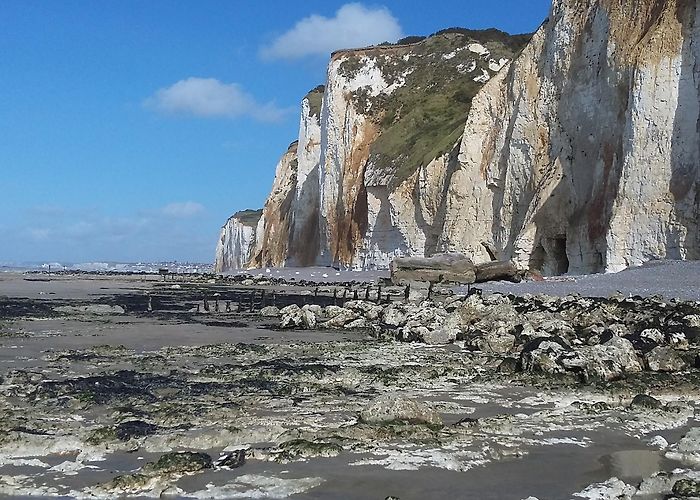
{"type": "Point", "coordinates": [351, 212]}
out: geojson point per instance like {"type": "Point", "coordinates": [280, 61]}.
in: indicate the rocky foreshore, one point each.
{"type": "Point", "coordinates": [585, 338]}
{"type": "Point", "coordinates": [102, 397]}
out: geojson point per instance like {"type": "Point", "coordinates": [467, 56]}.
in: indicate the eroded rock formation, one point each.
{"type": "Point", "coordinates": [581, 155]}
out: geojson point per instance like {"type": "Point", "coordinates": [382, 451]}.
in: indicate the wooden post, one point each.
{"type": "Point", "coordinates": [262, 298]}
{"type": "Point", "coordinates": [354, 295]}
{"type": "Point", "coordinates": [430, 290]}
{"type": "Point", "coordinates": [228, 306]}
{"type": "Point", "coordinates": [335, 296]}
{"type": "Point", "coordinates": [252, 301]}
{"type": "Point", "coordinates": [367, 293]}
{"type": "Point", "coordinates": [407, 292]}
{"type": "Point", "coordinates": [379, 294]}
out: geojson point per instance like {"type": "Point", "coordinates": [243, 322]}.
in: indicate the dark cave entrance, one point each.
{"type": "Point", "coordinates": [549, 256]}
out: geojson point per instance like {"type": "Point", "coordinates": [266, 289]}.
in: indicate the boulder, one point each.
{"type": "Point", "coordinates": [497, 271]}
{"type": "Point", "coordinates": [369, 310]}
{"type": "Point", "coordinates": [542, 355]}
{"type": "Point", "coordinates": [498, 342]}
{"type": "Point", "coordinates": [339, 317]}
{"type": "Point", "coordinates": [647, 402]}
{"type": "Point", "coordinates": [687, 449]}
{"type": "Point", "coordinates": [441, 336]}
{"type": "Point", "coordinates": [611, 360]}
{"type": "Point", "coordinates": [308, 319]}
{"type": "Point", "coordinates": [391, 408]}
{"type": "Point", "coordinates": [270, 312]}
{"type": "Point", "coordinates": [687, 488]}
{"type": "Point", "coordinates": [455, 268]}
{"type": "Point", "coordinates": [232, 460]}
{"type": "Point", "coordinates": [292, 317]}
{"type": "Point", "coordinates": [393, 316]}
{"type": "Point", "coordinates": [664, 359]}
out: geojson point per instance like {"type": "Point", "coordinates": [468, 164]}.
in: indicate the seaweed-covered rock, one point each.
{"type": "Point", "coordinates": [134, 429]}
{"type": "Point", "coordinates": [297, 449]}
{"type": "Point", "coordinates": [646, 401]}
{"type": "Point", "coordinates": [180, 462]}
{"type": "Point", "coordinates": [392, 408]}
{"type": "Point", "coordinates": [687, 488]}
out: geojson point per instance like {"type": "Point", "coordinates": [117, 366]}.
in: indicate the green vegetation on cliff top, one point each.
{"type": "Point", "coordinates": [315, 98]}
{"type": "Point", "coordinates": [249, 217]}
{"type": "Point", "coordinates": [425, 117]}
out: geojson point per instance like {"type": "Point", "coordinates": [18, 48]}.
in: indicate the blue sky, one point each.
{"type": "Point", "coordinates": [131, 130]}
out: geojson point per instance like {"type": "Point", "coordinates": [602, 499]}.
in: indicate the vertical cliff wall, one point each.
{"type": "Point", "coordinates": [583, 155]}
{"type": "Point", "coordinates": [580, 152]}
{"type": "Point", "coordinates": [237, 241]}
{"type": "Point", "coordinates": [272, 233]}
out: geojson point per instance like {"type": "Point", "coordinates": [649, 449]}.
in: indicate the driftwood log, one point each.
{"type": "Point", "coordinates": [450, 268]}
{"type": "Point", "coordinates": [440, 268]}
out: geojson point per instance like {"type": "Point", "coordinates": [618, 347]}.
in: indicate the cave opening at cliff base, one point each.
{"type": "Point", "coordinates": [549, 256]}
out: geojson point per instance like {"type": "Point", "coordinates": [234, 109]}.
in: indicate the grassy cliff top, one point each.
{"type": "Point", "coordinates": [248, 217]}
{"type": "Point", "coordinates": [437, 79]}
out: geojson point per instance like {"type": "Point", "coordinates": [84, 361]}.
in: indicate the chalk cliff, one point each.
{"type": "Point", "coordinates": [577, 150]}
{"type": "Point", "coordinates": [237, 241]}
{"type": "Point", "coordinates": [582, 156]}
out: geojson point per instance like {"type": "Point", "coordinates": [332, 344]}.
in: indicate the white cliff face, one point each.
{"type": "Point", "coordinates": [235, 245]}
{"type": "Point", "coordinates": [406, 220]}
{"type": "Point", "coordinates": [272, 233]}
{"type": "Point", "coordinates": [379, 198]}
{"type": "Point", "coordinates": [304, 234]}
{"type": "Point", "coordinates": [345, 137]}
{"type": "Point", "coordinates": [583, 155]}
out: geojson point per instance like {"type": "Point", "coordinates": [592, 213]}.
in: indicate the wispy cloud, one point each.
{"type": "Point", "coordinates": [181, 210]}
{"type": "Point", "coordinates": [353, 25]}
{"type": "Point", "coordinates": [211, 98]}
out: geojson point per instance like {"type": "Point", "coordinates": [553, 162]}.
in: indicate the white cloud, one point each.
{"type": "Point", "coordinates": [211, 98]}
{"type": "Point", "coordinates": [354, 25]}
{"type": "Point", "coordinates": [186, 209]}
